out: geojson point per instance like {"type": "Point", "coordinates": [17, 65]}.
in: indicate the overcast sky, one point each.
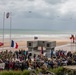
{"type": "Point", "coordinates": [40, 14]}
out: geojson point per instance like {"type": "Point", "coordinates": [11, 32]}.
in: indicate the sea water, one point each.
{"type": "Point", "coordinates": [28, 33]}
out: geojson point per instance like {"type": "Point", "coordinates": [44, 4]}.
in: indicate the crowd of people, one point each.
{"type": "Point", "coordinates": [24, 60]}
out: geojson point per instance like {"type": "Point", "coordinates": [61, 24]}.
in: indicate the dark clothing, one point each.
{"type": "Point", "coordinates": [7, 65]}
{"type": "Point", "coordinates": [51, 64]}
{"type": "Point", "coordinates": [24, 66]}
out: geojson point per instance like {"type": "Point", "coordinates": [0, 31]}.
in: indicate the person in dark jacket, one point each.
{"type": "Point", "coordinates": [24, 65]}
{"type": "Point", "coordinates": [7, 65]}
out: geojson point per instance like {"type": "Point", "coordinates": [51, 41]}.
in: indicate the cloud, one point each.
{"type": "Point", "coordinates": [21, 6]}
{"type": "Point", "coordinates": [68, 6]}
{"type": "Point", "coordinates": [54, 1]}
{"type": "Point", "coordinates": [39, 6]}
{"type": "Point", "coordinates": [56, 11]}
{"type": "Point", "coordinates": [42, 8]}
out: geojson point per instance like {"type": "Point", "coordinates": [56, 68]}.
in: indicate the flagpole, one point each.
{"type": "Point", "coordinates": [71, 45]}
{"type": "Point", "coordinates": [75, 42]}
{"type": "Point", "coordinates": [10, 27]}
{"type": "Point", "coordinates": [3, 27]}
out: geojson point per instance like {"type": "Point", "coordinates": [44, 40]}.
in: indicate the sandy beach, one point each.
{"type": "Point", "coordinates": [22, 43]}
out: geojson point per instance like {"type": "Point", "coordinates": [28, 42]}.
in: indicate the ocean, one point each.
{"type": "Point", "coordinates": [29, 33]}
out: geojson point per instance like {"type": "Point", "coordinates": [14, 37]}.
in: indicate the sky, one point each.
{"type": "Point", "coordinates": [39, 14]}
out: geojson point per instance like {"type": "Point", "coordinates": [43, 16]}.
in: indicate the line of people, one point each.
{"type": "Point", "coordinates": [23, 60]}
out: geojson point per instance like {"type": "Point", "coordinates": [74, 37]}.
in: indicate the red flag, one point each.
{"type": "Point", "coordinates": [1, 44]}
{"type": "Point", "coordinates": [7, 15]}
{"type": "Point", "coordinates": [70, 37]}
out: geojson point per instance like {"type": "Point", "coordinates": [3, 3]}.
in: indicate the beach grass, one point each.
{"type": "Point", "coordinates": [27, 72]}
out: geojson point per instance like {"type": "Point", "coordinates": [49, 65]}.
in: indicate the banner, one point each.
{"type": "Point", "coordinates": [2, 65]}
